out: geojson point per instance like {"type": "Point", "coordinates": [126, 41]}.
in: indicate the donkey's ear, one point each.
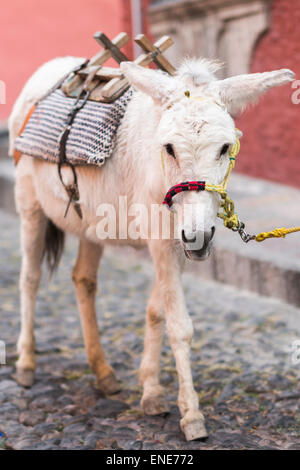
{"type": "Point", "coordinates": [159, 85]}
{"type": "Point", "coordinates": [239, 91]}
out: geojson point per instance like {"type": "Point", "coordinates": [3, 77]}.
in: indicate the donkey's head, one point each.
{"type": "Point", "coordinates": [195, 133]}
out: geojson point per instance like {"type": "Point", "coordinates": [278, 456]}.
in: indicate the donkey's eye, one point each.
{"type": "Point", "coordinates": [224, 149]}
{"type": "Point", "coordinates": [170, 150]}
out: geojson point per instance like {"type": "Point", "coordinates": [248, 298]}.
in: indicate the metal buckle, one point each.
{"type": "Point", "coordinates": [246, 237]}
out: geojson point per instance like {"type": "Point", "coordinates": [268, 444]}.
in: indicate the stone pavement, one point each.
{"type": "Point", "coordinates": [241, 355]}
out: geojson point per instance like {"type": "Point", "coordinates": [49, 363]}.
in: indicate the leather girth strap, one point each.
{"type": "Point", "coordinates": [71, 189]}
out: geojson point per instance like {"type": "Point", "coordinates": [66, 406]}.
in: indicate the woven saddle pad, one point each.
{"type": "Point", "coordinates": [93, 133]}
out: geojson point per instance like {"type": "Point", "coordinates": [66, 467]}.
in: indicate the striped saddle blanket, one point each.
{"type": "Point", "coordinates": [93, 132]}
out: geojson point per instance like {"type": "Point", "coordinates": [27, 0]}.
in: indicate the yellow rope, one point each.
{"type": "Point", "coordinates": [276, 233]}
{"type": "Point", "coordinates": [230, 219]}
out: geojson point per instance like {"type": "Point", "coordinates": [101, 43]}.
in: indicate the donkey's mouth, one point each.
{"type": "Point", "coordinates": [202, 252]}
{"type": "Point", "coordinates": [199, 255]}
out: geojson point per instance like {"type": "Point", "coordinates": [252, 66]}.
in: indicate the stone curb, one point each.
{"type": "Point", "coordinates": [271, 279]}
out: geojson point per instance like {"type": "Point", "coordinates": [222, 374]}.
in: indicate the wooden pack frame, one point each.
{"type": "Point", "coordinates": [106, 83]}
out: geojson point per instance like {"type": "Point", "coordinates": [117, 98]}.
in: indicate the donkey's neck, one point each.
{"type": "Point", "coordinates": [138, 151]}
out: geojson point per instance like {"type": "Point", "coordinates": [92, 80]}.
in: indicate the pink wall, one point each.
{"type": "Point", "coordinates": [270, 147]}
{"type": "Point", "coordinates": [34, 31]}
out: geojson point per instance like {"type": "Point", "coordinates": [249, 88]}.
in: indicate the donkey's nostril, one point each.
{"type": "Point", "coordinates": [187, 240]}
{"type": "Point", "coordinates": [209, 235]}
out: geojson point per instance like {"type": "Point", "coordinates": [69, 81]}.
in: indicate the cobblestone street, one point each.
{"type": "Point", "coordinates": [241, 357]}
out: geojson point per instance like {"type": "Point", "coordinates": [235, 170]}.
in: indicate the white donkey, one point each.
{"type": "Point", "coordinates": [192, 137]}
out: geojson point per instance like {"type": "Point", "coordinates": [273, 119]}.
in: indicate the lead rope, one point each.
{"type": "Point", "coordinates": [229, 216]}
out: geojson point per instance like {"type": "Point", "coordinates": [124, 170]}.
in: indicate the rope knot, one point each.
{"type": "Point", "coordinates": [232, 221]}
{"type": "Point", "coordinates": [276, 233]}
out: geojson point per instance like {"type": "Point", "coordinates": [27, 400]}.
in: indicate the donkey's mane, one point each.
{"type": "Point", "coordinates": [196, 72]}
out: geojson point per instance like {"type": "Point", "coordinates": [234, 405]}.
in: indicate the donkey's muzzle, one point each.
{"type": "Point", "coordinates": [197, 245]}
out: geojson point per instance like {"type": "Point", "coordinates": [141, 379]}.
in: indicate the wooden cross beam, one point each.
{"type": "Point", "coordinates": [111, 46]}
{"type": "Point", "coordinates": [105, 73]}
{"type": "Point", "coordinates": [72, 87]}
{"type": "Point", "coordinates": [102, 56]}
{"type": "Point", "coordinates": [154, 52]}
{"type": "Point", "coordinates": [106, 83]}
{"type": "Point", "coordinates": [143, 60]}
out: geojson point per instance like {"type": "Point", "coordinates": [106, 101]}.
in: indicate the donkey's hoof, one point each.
{"type": "Point", "coordinates": [108, 385]}
{"type": "Point", "coordinates": [194, 429]}
{"type": "Point", "coordinates": [156, 405]}
{"type": "Point", "coordinates": [24, 377]}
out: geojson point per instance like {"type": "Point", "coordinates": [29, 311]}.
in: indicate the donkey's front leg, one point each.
{"type": "Point", "coordinates": [180, 332]}
{"type": "Point", "coordinates": [153, 401]}
{"type": "Point", "coordinates": [85, 279]}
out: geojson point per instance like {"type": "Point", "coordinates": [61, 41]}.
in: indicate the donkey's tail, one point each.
{"type": "Point", "coordinates": [54, 246]}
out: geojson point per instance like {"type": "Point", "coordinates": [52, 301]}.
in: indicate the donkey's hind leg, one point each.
{"type": "Point", "coordinates": [153, 400]}
{"type": "Point", "coordinates": [33, 229]}
{"type": "Point", "coordinates": [85, 280]}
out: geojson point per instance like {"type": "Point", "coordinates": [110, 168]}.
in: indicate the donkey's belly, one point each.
{"type": "Point", "coordinates": [101, 222]}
